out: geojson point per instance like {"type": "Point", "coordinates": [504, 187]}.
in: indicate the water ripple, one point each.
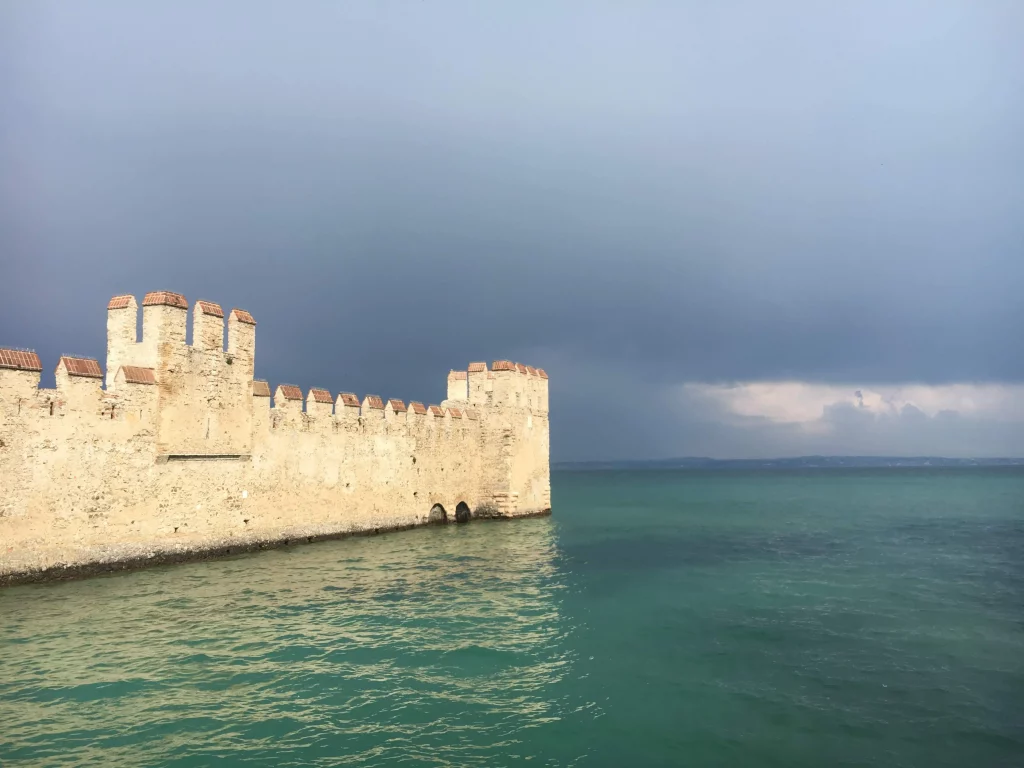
{"type": "Point", "coordinates": [435, 647]}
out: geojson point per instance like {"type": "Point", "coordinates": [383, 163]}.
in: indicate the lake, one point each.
{"type": "Point", "coordinates": [723, 618]}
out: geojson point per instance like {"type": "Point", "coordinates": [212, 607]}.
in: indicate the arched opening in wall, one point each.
{"type": "Point", "coordinates": [437, 515]}
{"type": "Point", "coordinates": [462, 512]}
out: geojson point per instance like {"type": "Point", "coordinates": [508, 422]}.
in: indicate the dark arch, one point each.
{"type": "Point", "coordinates": [462, 512]}
{"type": "Point", "coordinates": [437, 514]}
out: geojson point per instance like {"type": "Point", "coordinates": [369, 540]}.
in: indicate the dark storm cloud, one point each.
{"type": "Point", "coordinates": [630, 195]}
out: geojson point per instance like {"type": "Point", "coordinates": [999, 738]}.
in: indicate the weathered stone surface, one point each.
{"type": "Point", "coordinates": [200, 463]}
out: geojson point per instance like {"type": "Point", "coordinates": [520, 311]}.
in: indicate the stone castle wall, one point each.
{"type": "Point", "coordinates": [176, 450]}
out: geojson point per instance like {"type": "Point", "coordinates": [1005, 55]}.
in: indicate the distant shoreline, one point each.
{"type": "Point", "coordinates": [798, 462]}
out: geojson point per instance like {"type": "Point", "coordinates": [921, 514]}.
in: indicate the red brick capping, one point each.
{"type": "Point", "coordinates": [397, 405]}
{"type": "Point", "coordinates": [20, 360]}
{"type": "Point", "coordinates": [437, 411]}
{"type": "Point", "coordinates": [456, 375]}
{"type": "Point", "coordinates": [375, 402]}
{"type": "Point", "coordinates": [242, 316]}
{"type": "Point", "coordinates": [133, 374]}
{"type": "Point", "coordinates": [531, 370]}
{"type": "Point", "coordinates": [121, 302]}
{"type": "Point", "coordinates": [209, 308]}
{"type": "Point", "coordinates": [540, 372]}
{"type": "Point", "coordinates": [321, 396]}
{"type": "Point", "coordinates": [290, 391]}
{"type": "Point", "coordinates": [477, 367]}
{"type": "Point", "coordinates": [521, 368]}
{"type": "Point", "coordinates": [164, 298]}
{"type": "Point", "coordinates": [418, 408]}
{"type": "Point", "coordinates": [81, 366]}
{"type": "Point", "coordinates": [349, 400]}
{"type": "Point", "coordinates": [455, 413]}
{"type": "Point", "coordinates": [503, 365]}
{"type": "Point", "coordinates": [472, 415]}
{"type": "Point", "coordinates": [260, 388]}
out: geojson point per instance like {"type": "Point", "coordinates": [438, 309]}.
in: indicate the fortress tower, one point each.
{"type": "Point", "coordinates": [176, 451]}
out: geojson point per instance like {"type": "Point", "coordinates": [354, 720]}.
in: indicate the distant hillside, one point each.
{"type": "Point", "coordinates": [799, 462]}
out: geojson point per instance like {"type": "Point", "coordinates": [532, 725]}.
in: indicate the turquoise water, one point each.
{"type": "Point", "coordinates": [658, 618]}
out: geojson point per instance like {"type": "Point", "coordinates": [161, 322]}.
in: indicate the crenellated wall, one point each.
{"type": "Point", "coordinates": [203, 390]}
{"type": "Point", "coordinates": [177, 450]}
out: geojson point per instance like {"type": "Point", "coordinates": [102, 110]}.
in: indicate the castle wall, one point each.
{"type": "Point", "coordinates": [457, 387]}
{"type": "Point", "coordinates": [515, 411]}
{"type": "Point", "coordinates": [188, 453]}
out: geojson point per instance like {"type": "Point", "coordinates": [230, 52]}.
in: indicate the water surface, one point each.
{"type": "Point", "coordinates": [658, 618]}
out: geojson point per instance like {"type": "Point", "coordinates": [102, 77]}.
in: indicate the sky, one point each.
{"type": "Point", "coordinates": [729, 229]}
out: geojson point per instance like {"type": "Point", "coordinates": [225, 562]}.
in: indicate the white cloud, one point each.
{"type": "Point", "coordinates": [796, 402]}
{"type": "Point", "coordinates": [788, 418]}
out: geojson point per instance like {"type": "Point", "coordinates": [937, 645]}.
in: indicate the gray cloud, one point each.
{"type": "Point", "coordinates": [630, 196]}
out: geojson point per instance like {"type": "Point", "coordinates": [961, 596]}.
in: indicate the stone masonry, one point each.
{"type": "Point", "coordinates": [177, 452]}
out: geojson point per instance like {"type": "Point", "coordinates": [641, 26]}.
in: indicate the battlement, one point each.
{"type": "Point", "coordinates": [208, 326]}
{"type": "Point", "coordinates": [505, 384]}
{"type": "Point", "coordinates": [164, 321]}
{"type": "Point", "coordinates": [110, 454]}
{"type": "Point", "coordinates": [222, 377]}
{"type": "Point", "coordinates": [85, 367]}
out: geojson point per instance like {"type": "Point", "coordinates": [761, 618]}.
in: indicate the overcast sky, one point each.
{"type": "Point", "coordinates": [714, 224]}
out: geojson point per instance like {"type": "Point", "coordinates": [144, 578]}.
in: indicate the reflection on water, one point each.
{"type": "Point", "coordinates": [439, 646]}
